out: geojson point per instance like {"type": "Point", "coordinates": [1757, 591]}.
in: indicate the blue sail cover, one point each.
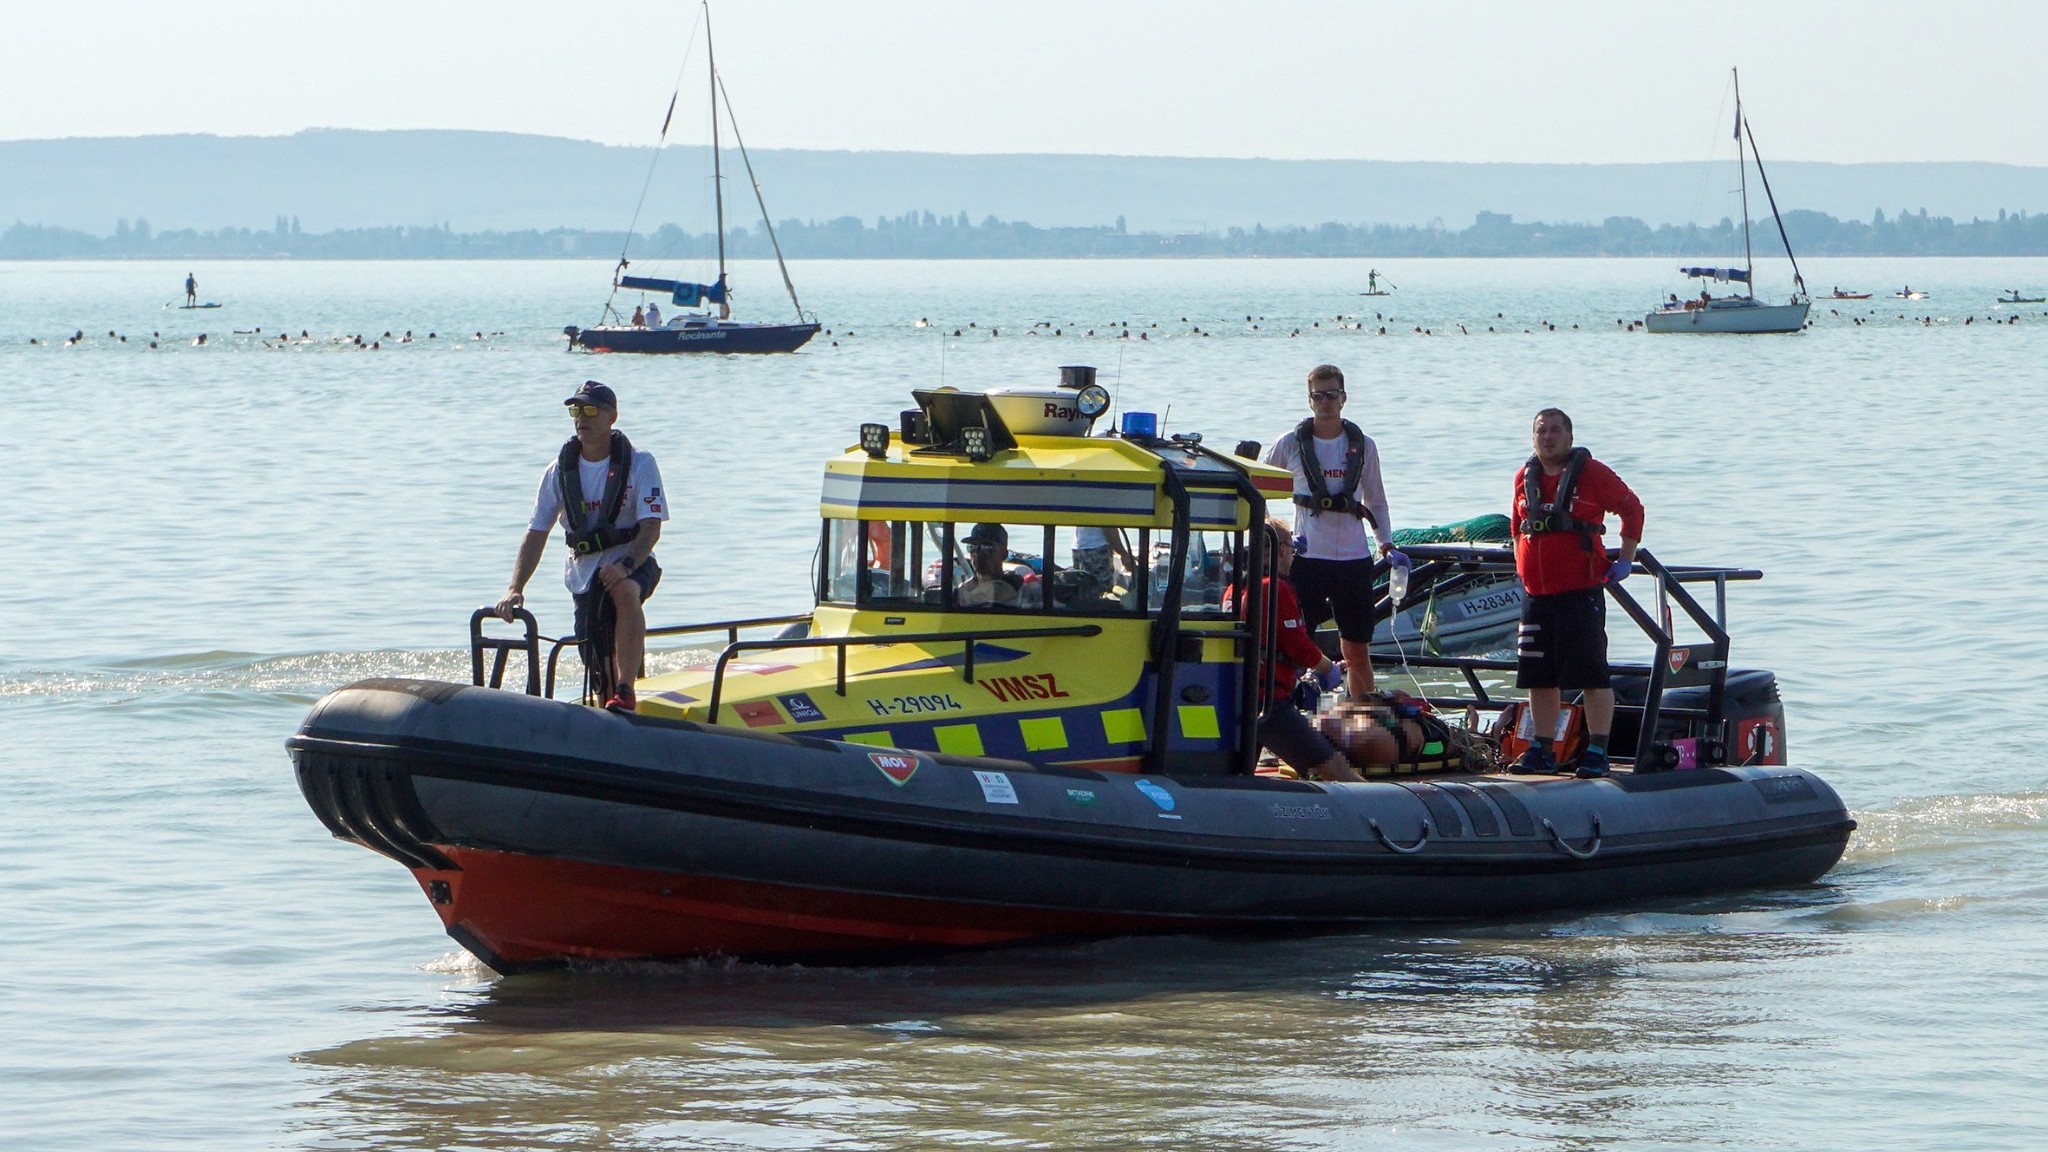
{"type": "Point", "coordinates": [682, 292]}
{"type": "Point", "coordinates": [1739, 275]}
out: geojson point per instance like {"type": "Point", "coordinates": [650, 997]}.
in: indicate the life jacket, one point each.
{"type": "Point", "coordinates": [1319, 498]}
{"type": "Point", "coordinates": [1556, 516]}
{"type": "Point", "coordinates": [586, 537]}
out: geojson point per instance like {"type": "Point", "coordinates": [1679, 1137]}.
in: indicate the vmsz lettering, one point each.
{"type": "Point", "coordinates": [1013, 688]}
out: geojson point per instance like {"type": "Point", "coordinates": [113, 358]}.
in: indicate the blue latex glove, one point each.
{"type": "Point", "coordinates": [1300, 545]}
{"type": "Point", "coordinates": [1397, 559]}
{"type": "Point", "coordinates": [1619, 570]}
{"type": "Point", "coordinates": [1332, 678]}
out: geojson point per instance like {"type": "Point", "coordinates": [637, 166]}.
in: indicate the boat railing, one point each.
{"type": "Point", "coordinates": [1432, 562]}
{"type": "Point", "coordinates": [530, 639]}
{"type": "Point", "coordinates": [966, 637]}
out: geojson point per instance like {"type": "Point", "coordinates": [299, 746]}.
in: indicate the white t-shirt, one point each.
{"type": "Point", "coordinates": [642, 500]}
{"type": "Point", "coordinates": [1335, 535]}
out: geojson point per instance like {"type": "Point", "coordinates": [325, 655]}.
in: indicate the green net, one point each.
{"type": "Point", "coordinates": [1491, 528]}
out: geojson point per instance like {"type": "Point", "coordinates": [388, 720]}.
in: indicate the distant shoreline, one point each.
{"type": "Point", "coordinates": [925, 236]}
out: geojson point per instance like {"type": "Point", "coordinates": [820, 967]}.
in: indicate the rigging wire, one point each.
{"type": "Point", "coordinates": [787, 284]}
{"type": "Point", "coordinates": [633, 225]}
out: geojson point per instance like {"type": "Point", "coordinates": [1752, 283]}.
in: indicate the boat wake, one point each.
{"type": "Point", "coordinates": [223, 678]}
{"type": "Point", "coordinates": [1945, 823]}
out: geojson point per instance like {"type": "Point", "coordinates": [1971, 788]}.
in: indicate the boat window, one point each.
{"type": "Point", "coordinates": [891, 553]}
{"type": "Point", "coordinates": [997, 567]}
{"type": "Point", "coordinates": [1206, 572]}
{"type": "Point", "coordinates": [1098, 575]}
{"type": "Point", "coordinates": [1026, 568]}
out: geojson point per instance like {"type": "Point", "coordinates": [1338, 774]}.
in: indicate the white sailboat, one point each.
{"type": "Point", "coordinates": [1737, 312]}
{"type": "Point", "coordinates": [703, 331]}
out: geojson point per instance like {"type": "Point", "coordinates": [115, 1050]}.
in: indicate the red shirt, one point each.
{"type": "Point", "coordinates": [1298, 651]}
{"type": "Point", "coordinates": [1553, 562]}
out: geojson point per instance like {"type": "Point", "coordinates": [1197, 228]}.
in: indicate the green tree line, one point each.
{"type": "Point", "coordinates": [925, 236]}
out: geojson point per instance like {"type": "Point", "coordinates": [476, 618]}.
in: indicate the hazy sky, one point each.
{"type": "Point", "coordinates": [1529, 81]}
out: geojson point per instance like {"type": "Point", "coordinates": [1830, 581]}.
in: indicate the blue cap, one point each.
{"type": "Point", "coordinates": [594, 393]}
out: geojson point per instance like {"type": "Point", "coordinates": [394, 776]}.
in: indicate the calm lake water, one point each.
{"type": "Point", "coordinates": [213, 535]}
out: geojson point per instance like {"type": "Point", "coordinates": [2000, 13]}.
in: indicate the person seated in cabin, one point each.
{"type": "Point", "coordinates": [989, 584]}
{"type": "Point", "coordinates": [1283, 730]}
{"type": "Point", "coordinates": [1099, 553]}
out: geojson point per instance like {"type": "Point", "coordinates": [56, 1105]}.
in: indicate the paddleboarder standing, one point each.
{"type": "Point", "coordinates": [191, 290]}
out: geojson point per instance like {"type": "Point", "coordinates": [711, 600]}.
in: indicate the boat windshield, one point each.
{"type": "Point", "coordinates": [1025, 568]}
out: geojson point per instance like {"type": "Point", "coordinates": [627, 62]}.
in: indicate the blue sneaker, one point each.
{"type": "Point", "coordinates": [1592, 764]}
{"type": "Point", "coordinates": [1534, 761]}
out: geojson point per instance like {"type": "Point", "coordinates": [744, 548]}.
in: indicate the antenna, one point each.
{"type": "Point", "coordinates": [1116, 396]}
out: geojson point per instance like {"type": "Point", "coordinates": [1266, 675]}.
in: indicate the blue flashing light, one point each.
{"type": "Point", "coordinates": [1141, 426]}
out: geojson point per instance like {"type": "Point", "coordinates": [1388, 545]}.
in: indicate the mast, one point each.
{"type": "Point", "coordinates": [717, 175]}
{"type": "Point", "coordinates": [1741, 172]}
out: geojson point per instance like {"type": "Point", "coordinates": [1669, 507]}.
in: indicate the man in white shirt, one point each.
{"type": "Point", "coordinates": [1338, 498]}
{"type": "Point", "coordinates": [608, 497]}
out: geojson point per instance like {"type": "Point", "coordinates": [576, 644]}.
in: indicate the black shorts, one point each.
{"type": "Point", "coordinates": [1339, 588]}
{"type": "Point", "coordinates": [1563, 642]}
{"type": "Point", "coordinates": [1286, 733]}
{"type": "Point", "coordinates": [594, 608]}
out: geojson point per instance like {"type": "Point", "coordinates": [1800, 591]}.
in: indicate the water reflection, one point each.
{"type": "Point", "coordinates": [1586, 1027]}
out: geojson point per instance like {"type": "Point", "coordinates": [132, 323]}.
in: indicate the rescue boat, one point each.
{"type": "Point", "coordinates": [966, 747]}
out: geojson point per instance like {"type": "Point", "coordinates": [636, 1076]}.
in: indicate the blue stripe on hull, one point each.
{"type": "Point", "coordinates": [726, 337]}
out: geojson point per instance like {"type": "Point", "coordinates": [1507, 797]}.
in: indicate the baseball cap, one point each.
{"type": "Point", "coordinates": [593, 392]}
{"type": "Point", "coordinates": [989, 534]}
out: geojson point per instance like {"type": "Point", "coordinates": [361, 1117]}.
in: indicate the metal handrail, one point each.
{"type": "Point", "coordinates": [967, 638]}
{"type": "Point", "coordinates": [530, 643]}
{"type": "Point", "coordinates": [1670, 581]}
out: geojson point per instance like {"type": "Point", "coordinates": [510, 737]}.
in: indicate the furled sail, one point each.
{"type": "Point", "coordinates": [1740, 275]}
{"type": "Point", "coordinates": [684, 293]}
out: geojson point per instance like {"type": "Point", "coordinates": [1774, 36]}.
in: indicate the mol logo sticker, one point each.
{"type": "Point", "coordinates": [896, 766]}
{"type": "Point", "coordinates": [1678, 658]}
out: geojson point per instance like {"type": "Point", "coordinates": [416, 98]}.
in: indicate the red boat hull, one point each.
{"type": "Point", "coordinates": [518, 912]}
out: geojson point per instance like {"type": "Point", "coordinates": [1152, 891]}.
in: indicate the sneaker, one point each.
{"type": "Point", "coordinates": [622, 702]}
{"type": "Point", "coordinates": [1592, 764]}
{"type": "Point", "coordinates": [1534, 761]}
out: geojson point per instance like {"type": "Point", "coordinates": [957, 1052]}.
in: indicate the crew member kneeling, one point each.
{"type": "Point", "coordinates": [1282, 728]}
{"type": "Point", "coordinates": [1560, 495]}
{"type": "Point", "coordinates": [607, 496]}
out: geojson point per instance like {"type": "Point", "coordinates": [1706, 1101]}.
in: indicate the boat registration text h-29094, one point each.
{"type": "Point", "coordinates": [911, 705]}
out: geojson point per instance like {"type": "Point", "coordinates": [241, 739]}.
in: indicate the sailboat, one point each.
{"type": "Point", "coordinates": [1737, 312]}
{"type": "Point", "coordinates": [705, 330]}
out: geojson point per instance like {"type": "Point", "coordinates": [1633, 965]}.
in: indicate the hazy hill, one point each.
{"type": "Point", "coordinates": [475, 181]}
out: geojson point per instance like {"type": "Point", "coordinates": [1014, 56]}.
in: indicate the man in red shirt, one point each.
{"type": "Point", "coordinates": [1282, 728]}
{"type": "Point", "coordinates": [1560, 495]}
